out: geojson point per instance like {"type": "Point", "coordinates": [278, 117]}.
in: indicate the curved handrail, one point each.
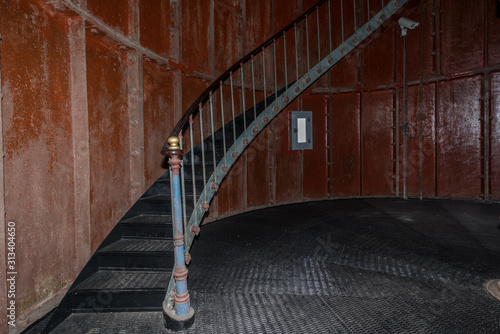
{"type": "Point", "coordinates": [193, 109]}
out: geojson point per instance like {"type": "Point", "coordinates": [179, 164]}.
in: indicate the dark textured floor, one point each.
{"type": "Point", "coordinates": [343, 266]}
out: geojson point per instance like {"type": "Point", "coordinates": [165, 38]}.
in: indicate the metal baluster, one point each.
{"type": "Point", "coordinates": [307, 42]}
{"type": "Point", "coordinates": [253, 91]}
{"type": "Point", "coordinates": [200, 109]}
{"type": "Point", "coordinates": [232, 106]}
{"type": "Point", "coordinates": [382, 4]}
{"type": "Point", "coordinates": [192, 165]}
{"type": "Point", "coordinates": [182, 310]}
{"type": "Point", "coordinates": [213, 137]}
{"type": "Point", "coordinates": [223, 125]}
{"type": "Point", "coordinates": [317, 25]}
{"type": "Point", "coordinates": [183, 187]}
{"type": "Point", "coordinates": [355, 23]}
{"type": "Point", "coordinates": [284, 54]}
{"type": "Point", "coordinates": [342, 18]}
{"type": "Point", "coordinates": [243, 100]}
{"type": "Point", "coordinates": [275, 72]}
{"type": "Point", "coordinates": [368, 9]}
{"type": "Point", "coordinates": [264, 76]}
{"type": "Point", "coordinates": [296, 54]}
{"type": "Point", "coordinates": [330, 26]}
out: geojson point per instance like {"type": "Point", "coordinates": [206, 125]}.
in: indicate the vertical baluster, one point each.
{"type": "Point", "coordinates": [307, 42]}
{"type": "Point", "coordinates": [284, 55]}
{"type": "Point", "coordinates": [182, 311]}
{"type": "Point", "coordinates": [192, 165]}
{"type": "Point", "coordinates": [243, 100]}
{"type": "Point", "coordinates": [275, 72]}
{"type": "Point", "coordinates": [368, 9]}
{"type": "Point", "coordinates": [183, 187]}
{"type": "Point", "coordinates": [264, 76]}
{"type": "Point", "coordinates": [342, 18]}
{"type": "Point", "coordinates": [296, 53]}
{"type": "Point", "coordinates": [213, 136]}
{"type": "Point", "coordinates": [355, 23]}
{"type": "Point", "coordinates": [317, 26]}
{"type": "Point", "coordinates": [222, 123]}
{"type": "Point", "coordinates": [200, 109]}
{"type": "Point", "coordinates": [330, 26]}
{"type": "Point", "coordinates": [232, 106]}
{"type": "Point", "coordinates": [382, 4]}
{"type": "Point", "coordinates": [253, 92]}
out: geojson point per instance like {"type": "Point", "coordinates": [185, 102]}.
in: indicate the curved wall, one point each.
{"type": "Point", "coordinates": [453, 109]}
{"type": "Point", "coordinates": [84, 116]}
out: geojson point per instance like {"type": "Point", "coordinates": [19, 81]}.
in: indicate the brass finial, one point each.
{"type": "Point", "coordinates": [173, 143]}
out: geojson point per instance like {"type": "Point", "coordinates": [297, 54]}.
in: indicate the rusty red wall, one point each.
{"type": "Point", "coordinates": [86, 109]}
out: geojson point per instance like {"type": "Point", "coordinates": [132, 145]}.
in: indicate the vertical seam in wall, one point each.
{"type": "Point", "coordinates": [3, 263]}
{"type": "Point", "coordinates": [437, 62]}
{"type": "Point", "coordinates": [420, 105]}
{"type": "Point", "coordinates": [361, 144]}
{"type": "Point", "coordinates": [328, 146]}
{"type": "Point", "coordinates": [486, 111]}
{"type": "Point", "coordinates": [301, 172]}
{"type": "Point", "coordinates": [81, 146]}
{"type": "Point", "coordinates": [211, 38]}
{"type": "Point", "coordinates": [395, 118]}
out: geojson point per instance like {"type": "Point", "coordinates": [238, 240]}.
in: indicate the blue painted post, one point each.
{"type": "Point", "coordinates": [182, 315]}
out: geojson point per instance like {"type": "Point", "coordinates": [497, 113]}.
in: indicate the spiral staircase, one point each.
{"type": "Point", "coordinates": [133, 269]}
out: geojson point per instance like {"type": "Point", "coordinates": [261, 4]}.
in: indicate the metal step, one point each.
{"type": "Point", "coordinates": [137, 254]}
{"type": "Point", "coordinates": [121, 291]}
{"type": "Point", "coordinates": [147, 226]}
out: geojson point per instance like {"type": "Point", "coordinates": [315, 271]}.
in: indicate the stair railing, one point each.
{"type": "Point", "coordinates": [274, 73]}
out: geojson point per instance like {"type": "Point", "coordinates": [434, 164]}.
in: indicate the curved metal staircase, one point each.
{"type": "Point", "coordinates": [140, 265]}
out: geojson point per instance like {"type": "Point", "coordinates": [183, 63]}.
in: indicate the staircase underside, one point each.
{"type": "Point", "coordinates": [342, 266]}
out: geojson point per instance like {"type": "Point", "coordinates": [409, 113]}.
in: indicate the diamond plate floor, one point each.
{"type": "Point", "coordinates": [343, 266]}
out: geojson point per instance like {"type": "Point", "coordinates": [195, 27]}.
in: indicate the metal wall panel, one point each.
{"type": "Point", "coordinates": [158, 120]}
{"type": "Point", "coordinates": [288, 168]}
{"type": "Point", "coordinates": [119, 14]}
{"type": "Point", "coordinates": [421, 149]}
{"type": "Point", "coordinates": [376, 142]}
{"type": "Point", "coordinates": [315, 169]}
{"type": "Point", "coordinates": [458, 138]}
{"type": "Point", "coordinates": [493, 33]}
{"type": "Point", "coordinates": [257, 159]}
{"type": "Point", "coordinates": [420, 48]}
{"type": "Point", "coordinates": [40, 150]}
{"type": "Point", "coordinates": [155, 25]}
{"type": "Point", "coordinates": [227, 32]}
{"type": "Point", "coordinates": [345, 145]}
{"type": "Point", "coordinates": [231, 197]}
{"type": "Point", "coordinates": [377, 69]}
{"type": "Point", "coordinates": [258, 23]}
{"type": "Point", "coordinates": [195, 41]}
{"type": "Point", "coordinates": [109, 135]}
{"type": "Point", "coordinates": [495, 138]}
{"type": "Point", "coordinates": [462, 35]}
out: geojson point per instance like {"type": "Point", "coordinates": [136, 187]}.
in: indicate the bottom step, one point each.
{"type": "Point", "coordinates": [121, 291]}
{"type": "Point", "coordinates": [106, 323]}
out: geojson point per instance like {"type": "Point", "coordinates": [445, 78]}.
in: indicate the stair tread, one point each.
{"type": "Point", "coordinates": [139, 245]}
{"type": "Point", "coordinates": [157, 198]}
{"type": "Point", "coordinates": [126, 280]}
{"type": "Point", "coordinates": [149, 219]}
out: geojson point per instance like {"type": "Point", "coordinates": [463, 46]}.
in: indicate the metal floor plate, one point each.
{"type": "Point", "coordinates": [343, 266]}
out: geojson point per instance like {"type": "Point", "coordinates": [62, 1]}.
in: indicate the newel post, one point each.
{"type": "Point", "coordinates": [181, 316]}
